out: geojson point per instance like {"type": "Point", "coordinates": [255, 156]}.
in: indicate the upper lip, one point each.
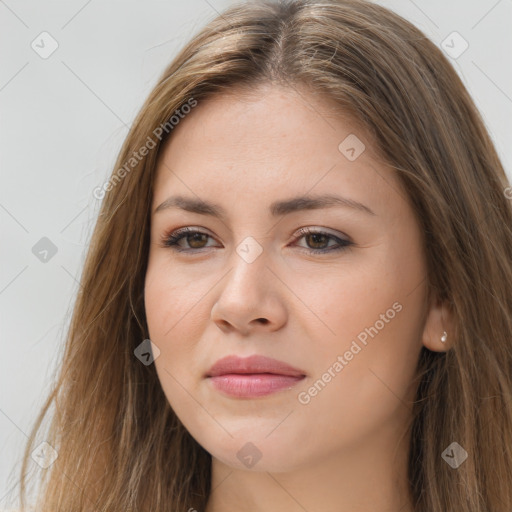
{"type": "Point", "coordinates": [252, 364]}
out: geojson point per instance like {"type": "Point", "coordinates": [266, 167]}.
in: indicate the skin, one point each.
{"type": "Point", "coordinates": [346, 449]}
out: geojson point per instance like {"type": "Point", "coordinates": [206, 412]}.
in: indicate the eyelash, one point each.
{"type": "Point", "coordinates": [171, 240]}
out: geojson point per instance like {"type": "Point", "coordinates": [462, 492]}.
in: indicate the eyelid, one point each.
{"type": "Point", "coordinates": [306, 230]}
{"type": "Point", "coordinates": [179, 232]}
{"type": "Point", "coordinates": [171, 239]}
{"type": "Point", "coordinates": [342, 240]}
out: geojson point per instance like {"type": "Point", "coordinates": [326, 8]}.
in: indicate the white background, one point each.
{"type": "Point", "coordinates": [63, 120]}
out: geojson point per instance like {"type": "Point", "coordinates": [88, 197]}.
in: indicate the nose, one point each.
{"type": "Point", "coordinates": [250, 298]}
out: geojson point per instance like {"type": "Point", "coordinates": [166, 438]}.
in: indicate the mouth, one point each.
{"type": "Point", "coordinates": [253, 376]}
{"type": "Point", "coordinates": [251, 385]}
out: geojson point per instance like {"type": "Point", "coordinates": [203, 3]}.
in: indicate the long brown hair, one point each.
{"type": "Point", "coordinates": [120, 445]}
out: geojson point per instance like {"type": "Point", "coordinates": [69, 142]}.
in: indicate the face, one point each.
{"type": "Point", "coordinates": [344, 304]}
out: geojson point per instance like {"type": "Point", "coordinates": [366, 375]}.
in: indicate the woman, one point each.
{"type": "Point", "coordinates": [298, 295]}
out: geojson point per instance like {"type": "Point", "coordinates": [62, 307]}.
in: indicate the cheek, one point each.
{"type": "Point", "coordinates": [362, 395]}
{"type": "Point", "coordinates": [172, 300]}
{"type": "Point", "coordinates": [373, 320]}
{"type": "Point", "coordinates": [173, 310]}
{"type": "Point", "coordinates": [379, 296]}
{"type": "Point", "coordinates": [175, 315]}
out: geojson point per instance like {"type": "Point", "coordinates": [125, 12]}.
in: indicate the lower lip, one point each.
{"type": "Point", "coordinates": [254, 384]}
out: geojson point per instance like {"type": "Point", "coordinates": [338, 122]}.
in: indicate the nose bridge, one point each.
{"type": "Point", "coordinates": [249, 261]}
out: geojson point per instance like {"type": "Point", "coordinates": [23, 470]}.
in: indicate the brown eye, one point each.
{"type": "Point", "coordinates": [194, 238]}
{"type": "Point", "coordinates": [195, 241]}
{"type": "Point", "coordinates": [318, 241]}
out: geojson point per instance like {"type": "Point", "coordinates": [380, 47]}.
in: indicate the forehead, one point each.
{"type": "Point", "coordinates": [273, 143]}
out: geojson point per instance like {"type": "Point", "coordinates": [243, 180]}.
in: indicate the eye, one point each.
{"type": "Point", "coordinates": [318, 240]}
{"type": "Point", "coordinates": [192, 236]}
{"type": "Point", "coordinates": [197, 240]}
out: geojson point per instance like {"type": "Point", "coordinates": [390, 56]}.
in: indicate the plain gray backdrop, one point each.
{"type": "Point", "coordinates": [64, 117]}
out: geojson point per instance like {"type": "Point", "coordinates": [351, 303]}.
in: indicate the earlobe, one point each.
{"type": "Point", "coordinates": [438, 332]}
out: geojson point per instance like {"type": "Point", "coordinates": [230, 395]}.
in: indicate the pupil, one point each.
{"type": "Point", "coordinates": [194, 238]}
{"type": "Point", "coordinates": [314, 235]}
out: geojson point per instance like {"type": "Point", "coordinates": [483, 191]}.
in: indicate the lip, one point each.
{"type": "Point", "coordinates": [252, 364]}
{"type": "Point", "coordinates": [252, 376]}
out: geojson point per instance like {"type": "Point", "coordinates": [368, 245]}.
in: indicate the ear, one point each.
{"type": "Point", "coordinates": [439, 320]}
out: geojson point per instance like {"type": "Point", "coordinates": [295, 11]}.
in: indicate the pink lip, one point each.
{"type": "Point", "coordinates": [252, 376]}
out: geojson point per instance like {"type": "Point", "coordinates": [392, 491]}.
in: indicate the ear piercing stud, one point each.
{"type": "Point", "coordinates": [444, 336]}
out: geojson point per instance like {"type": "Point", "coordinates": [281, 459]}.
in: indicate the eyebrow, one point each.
{"type": "Point", "coordinates": [277, 209]}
